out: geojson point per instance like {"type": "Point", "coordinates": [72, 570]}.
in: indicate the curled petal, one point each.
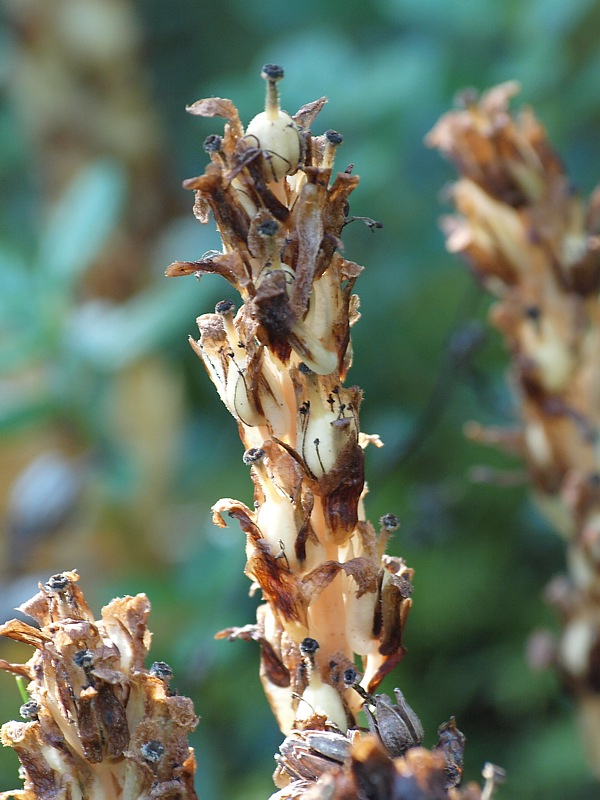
{"type": "Point", "coordinates": [218, 107]}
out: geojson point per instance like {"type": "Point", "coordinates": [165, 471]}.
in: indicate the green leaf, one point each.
{"type": "Point", "coordinates": [82, 221]}
{"type": "Point", "coordinates": [109, 335]}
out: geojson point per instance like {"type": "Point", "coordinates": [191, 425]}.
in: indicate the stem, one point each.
{"type": "Point", "coordinates": [20, 681]}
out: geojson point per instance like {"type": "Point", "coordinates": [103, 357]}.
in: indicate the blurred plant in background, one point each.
{"type": "Point", "coordinates": [97, 379]}
{"type": "Point", "coordinates": [82, 319]}
{"type": "Point", "coordinates": [532, 241]}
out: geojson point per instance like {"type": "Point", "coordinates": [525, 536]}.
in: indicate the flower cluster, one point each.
{"type": "Point", "coordinates": [533, 242]}
{"type": "Point", "coordinates": [335, 605]}
{"type": "Point", "coordinates": [279, 362]}
{"type": "Point", "coordinates": [97, 724]}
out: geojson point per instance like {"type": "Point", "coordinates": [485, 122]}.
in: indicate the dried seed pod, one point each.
{"type": "Point", "coordinates": [397, 726]}
{"type": "Point", "coordinates": [452, 745]}
{"type": "Point", "coordinates": [306, 756]}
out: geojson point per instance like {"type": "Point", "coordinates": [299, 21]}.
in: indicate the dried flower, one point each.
{"type": "Point", "coordinates": [532, 241]}
{"type": "Point", "coordinates": [279, 363]}
{"type": "Point", "coordinates": [98, 724]}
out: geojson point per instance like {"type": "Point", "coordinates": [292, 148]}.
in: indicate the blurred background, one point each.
{"type": "Point", "coordinates": [113, 444]}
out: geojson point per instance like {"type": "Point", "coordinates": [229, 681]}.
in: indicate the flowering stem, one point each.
{"type": "Point", "coordinates": [533, 243]}
{"type": "Point", "coordinates": [279, 365]}
{"type": "Point", "coordinates": [332, 600]}
{"type": "Point", "coordinates": [96, 723]}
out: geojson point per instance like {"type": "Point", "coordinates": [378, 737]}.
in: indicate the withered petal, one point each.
{"type": "Point", "coordinates": [306, 115]}
{"type": "Point", "coordinates": [22, 632]}
{"type": "Point", "coordinates": [16, 669]}
{"type": "Point", "coordinates": [236, 510]}
{"type": "Point", "coordinates": [272, 666]}
{"type": "Point", "coordinates": [279, 586]}
{"type": "Point", "coordinates": [43, 779]}
{"type": "Point", "coordinates": [125, 619]}
{"type": "Point", "coordinates": [343, 486]}
{"type": "Point", "coordinates": [358, 568]}
{"type": "Point", "coordinates": [49, 606]}
{"type": "Point", "coordinates": [226, 206]}
{"type": "Point", "coordinates": [308, 224]}
{"type": "Point", "coordinates": [181, 711]}
{"type": "Point", "coordinates": [348, 269]}
{"type": "Point", "coordinates": [218, 107]}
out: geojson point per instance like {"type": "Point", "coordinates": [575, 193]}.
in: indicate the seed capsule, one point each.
{"type": "Point", "coordinates": [397, 726]}
{"type": "Point", "coordinates": [275, 132]}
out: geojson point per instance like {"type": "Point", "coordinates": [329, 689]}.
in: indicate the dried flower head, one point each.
{"type": "Point", "coordinates": [533, 242]}
{"type": "Point", "coordinates": [279, 364]}
{"type": "Point", "coordinates": [328, 766]}
{"type": "Point", "coordinates": [99, 724]}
